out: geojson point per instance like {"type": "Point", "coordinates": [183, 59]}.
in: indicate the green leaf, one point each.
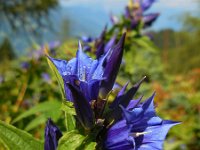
{"type": "Point", "coordinates": [69, 110]}
{"type": "Point", "coordinates": [58, 76]}
{"type": "Point", "coordinates": [146, 43]}
{"type": "Point", "coordinates": [88, 143]}
{"type": "Point", "coordinates": [17, 139]}
{"type": "Point", "coordinates": [68, 107]}
{"type": "Point", "coordinates": [69, 122]}
{"type": "Point", "coordinates": [91, 146]}
{"type": "Point", "coordinates": [70, 140]}
{"type": "Point", "coordinates": [75, 141]}
{"type": "Point", "coordinates": [42, 108]}
{"type": "Point", "coordinates": [35, 122]}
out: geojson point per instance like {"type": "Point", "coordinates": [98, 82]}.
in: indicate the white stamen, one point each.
{"type": "Point", "coordinates": [137, 134]}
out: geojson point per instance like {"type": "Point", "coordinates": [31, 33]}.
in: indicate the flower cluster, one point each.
{"type": "Point", "coordinates": [134, 14]}
{"type": "Point", "coordinates": [123, 123]}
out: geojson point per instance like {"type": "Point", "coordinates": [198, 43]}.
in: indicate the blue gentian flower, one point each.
{"type": "Point", "coordinates": [127, 123]}
{"type": "Point", "coordinates": [85, 73]}
{"type": "Point", "coordinates": [52, 135]}
{"type": "Point", "coordinates": [139, 128]}
{"type": "Point", "coordinates": [88, 79]}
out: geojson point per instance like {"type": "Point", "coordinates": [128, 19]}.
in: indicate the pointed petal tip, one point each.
{"type": "Point", "coordinates": [123, 37]}
{"type": "Point", "coordinates": [140, 82]}
{"type": "Point", "coordinates": [79, 45]}
{"type": "Point", "coordinates": [140, 98]}
{"type": "Point", "coordinates": [120, 43]}
{"type": "Point", "coordinates": [171, 122]}
{"type": "Point", "coordinates": [154, 94]}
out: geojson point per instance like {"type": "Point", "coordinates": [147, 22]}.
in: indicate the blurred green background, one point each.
{"type": "Point", "coordinates": [29, 93]}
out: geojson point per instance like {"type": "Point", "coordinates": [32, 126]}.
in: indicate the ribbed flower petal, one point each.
{"type": "Point", "coordinates": [140, 124]}
{"type": "Point", "coordinates": [117, 100]}
{"type": "Point", "coordinates": [124, 99]}
{"type": "Point", "coordinates": [90, 89]}
{"type": "Point", "coordinates": [109, 44]}
{"type": "Point", "coordinates": [118, 137]}
{"type": "Point", "coordinates": [83, 109]}
{"type": "Point", "coordinates": [155, 136]}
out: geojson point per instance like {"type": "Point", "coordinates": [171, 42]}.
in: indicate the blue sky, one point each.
{"type": "Point", "coordinates": [171, 11]}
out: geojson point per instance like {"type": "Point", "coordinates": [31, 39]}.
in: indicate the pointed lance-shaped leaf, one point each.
{"type": "Point", "coordinates": [112, 67]}
{"type": "Point", "coordinates": [83, 110]}
{"type": "Point", "coordinates": [52, 135]}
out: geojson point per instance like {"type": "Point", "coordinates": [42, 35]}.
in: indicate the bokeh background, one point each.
{"type": "Point", "coordinates": [29, 93]}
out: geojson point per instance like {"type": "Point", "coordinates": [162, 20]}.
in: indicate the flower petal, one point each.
{"type": "Point", "coordinates": [155, 136]}
{"type": "Point", "coordinates": [110, 44]}
{"type": "Point", "coordinates": [146, 4]}
{"type": "Point", "coordinates": [112, 66]}
{"type": "Point", "coordinates": [82, 107]}
{"type": "Point", "coordinates": [149, 19]}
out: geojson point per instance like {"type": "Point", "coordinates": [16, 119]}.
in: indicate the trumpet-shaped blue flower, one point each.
{"type": "Point", "coordinates": [86, 79]}
{"type": "Point", "coordinates": [126, 124]}
{"type": "Point", "coordinates": [85, 73]}
{"type": "Point", "coordinates": [139, 129]}
{"type": "Point", "coordinates": [52, 135]}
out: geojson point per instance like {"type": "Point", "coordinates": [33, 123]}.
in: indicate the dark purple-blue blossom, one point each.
{"type": "Point", "coordinates": [52, 135]}
{"type": "Point", "coordinates": [85, 73]}
{"type": "Point", "coordinates": [86, 80]}
{"type": "Point", "coordinates": [139, 129]}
